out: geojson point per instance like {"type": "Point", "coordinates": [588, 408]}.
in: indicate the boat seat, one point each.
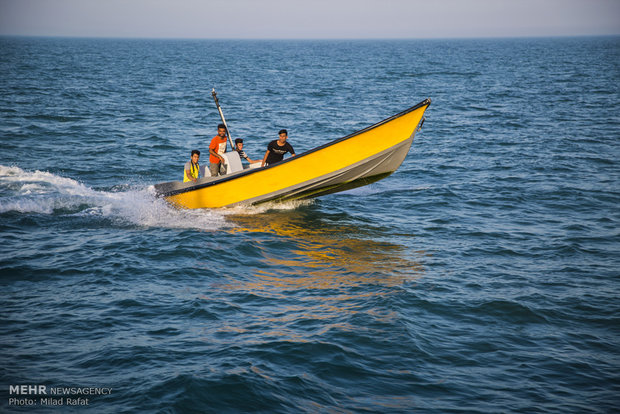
{"type": "Point", "coordinates": [233, 162]}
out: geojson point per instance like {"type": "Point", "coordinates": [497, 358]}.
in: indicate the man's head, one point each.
{"type": "Point", "coordinates": [195, 156]}
{"type": "Point", "coordinates": [283, 134]}
{"type": "Point", "coordinates": [221, 130]}
{"type": "Point", "coordinates": [239, 143]}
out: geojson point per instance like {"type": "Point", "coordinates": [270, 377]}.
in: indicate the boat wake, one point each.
{"type": "Point", "coordinates": [41, 192]}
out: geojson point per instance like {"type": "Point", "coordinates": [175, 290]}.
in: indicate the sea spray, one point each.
{"type": "Point", "coordinates": [46, 193]}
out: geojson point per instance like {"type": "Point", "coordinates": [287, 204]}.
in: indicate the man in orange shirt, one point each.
{"type": "Point", "coordinates": [216, 148]}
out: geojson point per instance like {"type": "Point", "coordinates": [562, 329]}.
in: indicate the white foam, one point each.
{"type": "Point", "coordinates": [262, 208]}
{"type": "Point", "coordinates": [46, 193]}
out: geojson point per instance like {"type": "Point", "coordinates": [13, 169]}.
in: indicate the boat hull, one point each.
{"type": "Point", "coordinates": [355, 160]}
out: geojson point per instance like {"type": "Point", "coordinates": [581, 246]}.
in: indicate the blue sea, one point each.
{"type": "Point", "coordinates": [481, 277]}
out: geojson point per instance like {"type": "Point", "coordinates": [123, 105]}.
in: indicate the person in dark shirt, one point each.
{"type": "Point", "coordinates": [242, 154]}
{"type": "Point", "coordinates": [277, 148]}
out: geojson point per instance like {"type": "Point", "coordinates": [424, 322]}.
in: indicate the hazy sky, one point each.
{"type": "Point", "coordinates": [309, 18]}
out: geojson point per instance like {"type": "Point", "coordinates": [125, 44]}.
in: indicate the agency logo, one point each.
{"type": "Point", "coordinates": [31, 395]}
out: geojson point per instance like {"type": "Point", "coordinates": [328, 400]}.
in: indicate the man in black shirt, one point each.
{"type": "Point", "coordinates": [277, 148]}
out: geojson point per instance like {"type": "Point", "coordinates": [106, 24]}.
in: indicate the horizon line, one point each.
{"type": "Point", "coordinates": [32, 36]}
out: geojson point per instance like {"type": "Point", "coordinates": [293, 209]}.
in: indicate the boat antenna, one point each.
{"type": "Point", "coordinates": [217, 103]}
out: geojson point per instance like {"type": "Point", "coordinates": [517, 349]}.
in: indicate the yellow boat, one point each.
{"type": "Point", "coordinates": [358, 159]}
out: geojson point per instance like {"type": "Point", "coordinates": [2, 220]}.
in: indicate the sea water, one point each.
{"type": "Point", "coordinates": [482, 276]}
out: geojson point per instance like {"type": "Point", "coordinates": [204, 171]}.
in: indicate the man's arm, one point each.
{"type": "Point", "coordinates": [265, 159]}
{"type": "Point", "coordinates": [244, 155]}
{"type": "Point", "coordinates": [215, 154]}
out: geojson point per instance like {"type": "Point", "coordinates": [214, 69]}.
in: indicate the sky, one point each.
{"type": "Point", "coordinates": [309, 19]}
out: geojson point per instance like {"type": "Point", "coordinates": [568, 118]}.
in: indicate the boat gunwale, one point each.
{"type": "Point", "coordinates": [285, 195]}
{"type": "Point", "coordinates": [249, 171]}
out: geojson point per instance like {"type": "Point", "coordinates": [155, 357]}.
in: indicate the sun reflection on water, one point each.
{"type": "Point", "coordinates": [325, 253]}
{"type": "Point", "coordinates": [328, 272]}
